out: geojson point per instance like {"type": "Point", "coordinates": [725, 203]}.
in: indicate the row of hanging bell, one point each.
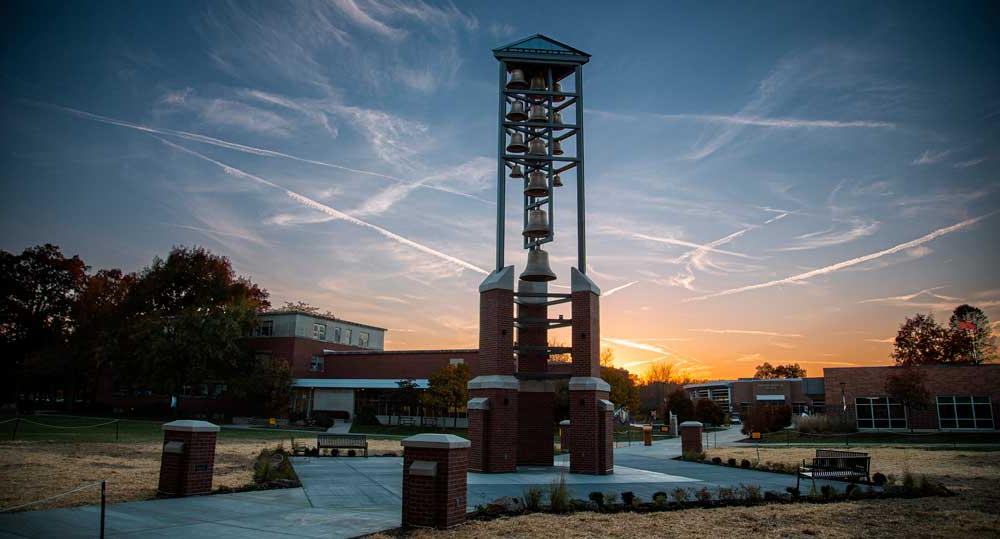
{"type": "Point", "coordinates": [537, 269]}
{"type": "Point", "coordinates": [519, 82]}
{"type": "Point", "coordinates": [535, 147]}
{"type": "Point", "coordinates": [537, 187]}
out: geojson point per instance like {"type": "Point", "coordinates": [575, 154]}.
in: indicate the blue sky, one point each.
{"type": "Point", "coordinates": [766, 182]}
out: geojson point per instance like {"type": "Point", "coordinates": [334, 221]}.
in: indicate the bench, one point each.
{"type": "Point", "coordinates": [299, 449]}
{"type": "Point", "coordinates": [342, 441]}
{"type": "Point", "coordinates": [838, 465]}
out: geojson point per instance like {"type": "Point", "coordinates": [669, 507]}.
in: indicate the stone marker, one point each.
{"type": "Point", "coordinates": [691, 437]}
{"type": "Point", "coordinates": [434, 480]}
{"type": "Point", "coordinates": [188, 457]}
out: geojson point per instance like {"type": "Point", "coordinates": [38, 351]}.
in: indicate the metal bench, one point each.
{"type": "Point", "coordinates": [298, 448]}
{"type": "Point", "coordinates": [837, 465]}
{"type": "Point", "coordinates": [342, 441]}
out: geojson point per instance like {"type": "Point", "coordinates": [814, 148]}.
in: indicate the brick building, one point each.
{"type": "Point", "coordinates": [804, 395]}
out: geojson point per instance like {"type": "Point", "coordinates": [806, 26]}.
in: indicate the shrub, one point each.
{"type": "Point", "coordinates": [767, 418]}
{"type": "Point", "coordinates": [909, 481]}
{"type": "Point", "coordinates": [793, 491]}
{"type": "Point", "coordinates": [610, 498]}
{"type": "Point", "coordinates": [727, 494]}
{"type": "Point", "coordinates": [272, 465]}
{"type": "Point", "coordinates": [334, 452]}
{"type": "Point", "coordinates": [771, 496]}
{"type": "Point", "coordinates": [597, 498]}
{"type": "Point", "coordinates": [708, 411]}
{"type": "Point", "coordinates": [533, 499]}
{"type": "Point", "coordinates": [731, 462]}
{"type": "Point", "coordinates": [559, 500]}
{"type": "Point", "coordinates": [716, 460]}
{"type": "Point", "coordinates": [679, 495]}
{"type": "Point", "coordinates": [879, 479]}
{"type": "Point", "coordinates": [352, 453]}
{"type": "Point", "coordinates": [693, 456]}
{"type": "Point", "coordinates": [824, 423]}
{"type": "Point", "coordinates": [827, 491]}
{"type": "Point", "coordinates": [703, 495]}
{"type": "Point", "coordinates": [744, 463]}
{"type": "Point", "coordinates": [628, 498]}
{"type": "Point", "coordinates": [659, 499]}
{"type": "Point", "coordinates": [750, 493]}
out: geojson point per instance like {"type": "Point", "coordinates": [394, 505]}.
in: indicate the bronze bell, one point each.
{"type": "Point", "coordinates": [517, 144]}
{"type": "Point", "coordinates": [516, 113]}
{"type": "Point", "coordinates": [537, 185]}
{"type": "Point", "coordinates": [517, 81]}
{"type": "Point", "coordinates": [516, 172]}
{"type": "Point", "coordinates": [537, 114]}
{"type": "Point", "coordinates": [538, 224]}
{"type": "Point", "coordinates": [538, 83]}
{"type": "Point", "coordinates": [537, 269]}
{"type": "Point", "coordinates": [557, 98]}
{"type": "Point", "coordinates": [557, 148]}
{"type": "Point", "coordinates": [557, 121]}
{"type": "Point", "coordinates": [537, 146]}
{"type": "Point", "coordinates": [557, 181]}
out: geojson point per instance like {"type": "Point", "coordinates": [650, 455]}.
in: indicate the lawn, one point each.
{"type": "Point", "coordinates": [45, 460]}
{"type": "Point", "coordinates": [896, 438]}
{"type": "Point", "coordinates": [973, 513]}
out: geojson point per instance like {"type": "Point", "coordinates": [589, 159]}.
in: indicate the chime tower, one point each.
{"type": "Point", "coordinates": [540, 146]}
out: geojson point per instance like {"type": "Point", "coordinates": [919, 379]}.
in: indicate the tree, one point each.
{"type": "Point", "coordinates": [37, 291]}
{"type": "Point", "coordinates": [765, 371]}
{"type": "Point", "coordinates": [679, 403]}
{"type": "Point", "coordinates": [972, 339]}
{"type": "Point", "coordinates": [907, 385]}
{"type": "Point", "coordinates": [607, 357]}
{"type": "Point", "coordinates": [187, 314]}
{"type": "Point", "coordinates": [624, 388]}
{"type": "Point", "coordinates": [407, 395]}
{"type": "Point", "coordinates": [268, 384]}
{"type": "Point", "coordinates": [448, 388]}
{"type": "Point", "coordinates": [921, 341]}
{"type": "Point", "coordinates": [709, 412]}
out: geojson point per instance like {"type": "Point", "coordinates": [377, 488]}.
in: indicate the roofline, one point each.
{"type": "Point", "coordinates": [499, 51]}
{"type": "Point", "coordinates": [318, 315]}
{"type": "Point", "coordinates": [398, 352]}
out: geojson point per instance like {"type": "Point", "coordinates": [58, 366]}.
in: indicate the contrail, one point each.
{"type": "Point", "coordinates": [683, 243]}
{"type": "Point", "coordinates": [204, 139]}
{"type": "Point", "coordinates": [848, 263]}
{"type": "Point", "coordinates": [745, 332]}
{"type": "Point", "coordinates": [617, 288]}
{"type": "Point", "coordinates": [332, 212]}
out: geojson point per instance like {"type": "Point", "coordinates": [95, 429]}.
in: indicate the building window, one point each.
{"type": "Point", "coordinates": [965, 412]}
{"type": "Point", "coordinates": [456, 361]}
{"type": "Point", "coordinates": [347, 336]}
{"type": "Point", "coordinates": [363, 339]}
{"type": "Point", "coordinates": [319, 332]}
{"type": "Point", "coordinates": [318, 364]}
{"type": "Point", "coordinates": [265, 328]}
{"type": "Point", "coordinates": [880, 413]}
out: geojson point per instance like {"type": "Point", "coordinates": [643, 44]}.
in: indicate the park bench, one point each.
{"type": "Point", "coordinates": [342, 441]}
{"type": "Point", "coordinates": [299, 448]}
{"type": "Point", "coordinates": [835, 464]}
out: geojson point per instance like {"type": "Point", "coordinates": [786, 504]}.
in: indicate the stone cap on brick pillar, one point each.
{"type": "Point", "coordinates": [691, 424]}
{"type": "Point", "coordinates": [436, 441]}
{"type": "Point", "coordinates": [478, 403]}
{"type": "Point", "coordinates": [579, 282]}
{"type": "Point", "coordinates": [588, 383]}
{"type": "Point", "coordinates": [191, 425]}
{"type": "Point", "coordinates": [606, 405]}
{"type": "Point", "coordinates": [502, 279]}
{"type": "Point", "coordinates": [494, 381]}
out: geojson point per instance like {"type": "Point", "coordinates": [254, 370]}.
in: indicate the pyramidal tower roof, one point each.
{"type": "Point", "coordinates": [539, 47]}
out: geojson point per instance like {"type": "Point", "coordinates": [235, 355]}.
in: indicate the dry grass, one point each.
{"type": "Point", "coordinates": [973, 513]}
{"type": "Point", "coordinates": [35, 470]}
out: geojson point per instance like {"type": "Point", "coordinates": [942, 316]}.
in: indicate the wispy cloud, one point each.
{"type": "Point", "coordinates": [332, 212]}
{"type": "Point", "coordinates": [970, 163]}
{"type": "Point", "coordinates": [887, 340]}
{"type": "Point", "coordinates": [907, 298]}
{"type": "Point", "coordinates": [931, 157]}
{"type": "Point", "coordinates": [784, 123]}
{"type": "Point", "coordinates": [859, 228]}
{"type": "Point", "coordinates": [848, 263]}
{"type": "Point", "coordinates": [745, 332]}
{"type": "Point", "coordinates": [361, 18]}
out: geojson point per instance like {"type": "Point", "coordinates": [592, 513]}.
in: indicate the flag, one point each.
{"type": "Point", "coordinates": [967, 325]}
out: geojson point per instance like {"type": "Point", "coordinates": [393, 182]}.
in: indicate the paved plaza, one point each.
{"type": "Point", "coordinates": [347, 497]}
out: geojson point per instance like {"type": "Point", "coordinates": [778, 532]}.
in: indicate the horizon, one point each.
{"type": "Point", "coordinates": [782, 200]}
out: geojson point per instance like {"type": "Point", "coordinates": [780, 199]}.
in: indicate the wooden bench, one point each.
{"type": "Point", "coordinates": [837, 465]}
{"type": "Point", "coordinates": [342, 441]}
{"type": "Point", "coordinates": [299, 448]}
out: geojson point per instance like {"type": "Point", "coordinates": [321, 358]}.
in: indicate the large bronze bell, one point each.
{"type": "Point", "coordinates": [537, 269]}
{"type": "Point", "coordinates": [516, 172]}
{"type": "Point", "coordinates": [537, 146]}
{"type": "Point", "coordinates": [516, 113]}
{"type": "Point", "coordinates": [517, 144]}
{"type": "Point", "coordinates": [538, 83]}
{"type": "Point", "coordinates": [557, 148]}
{"type": "Point", "coordinates": [537, 186]}
{"type": "Point", "coordinates": [538, 224]}
{"type": "Point", "coordinates": [557, 121]}
{"type": "Point", "coordinates": [557, 181]}
{"type": "Point", "coordinates": [517, 81]}
{"type": "Point", "coordinates": [538, 114]}
{"type": "Point", "coordinates": [557, 98]}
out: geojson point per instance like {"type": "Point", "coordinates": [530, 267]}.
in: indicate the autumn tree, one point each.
{"type": "Point", "coordinates": [267, 385]}
{"type": "Point", "coordinates": [766, 371]}
{"type": "Point", "coordinates": [908, 386]}
{"type": "Point", "coordinates": [624, 388]}
{"type": "Point", "coordinates": [972, 339]}
{"type": "Point", "coordinates": [680, 404]}
{"type": "Point", "coordinates": [447, 388]}
{"type": "Point", "coordinates": [709, 412]}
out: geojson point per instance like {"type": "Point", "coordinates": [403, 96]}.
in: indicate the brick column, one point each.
{"type": "Point", "coordinates": [532, 313]}
{"type": "Point", "coordinates": [536, 415]}
{"type": "Point", "coordinates": [564, 435]}
{"type": "Point", "coordinates": [434, 480]}
{"type": "Point", "coordinates": [691, 437]}
{"type": "Point", "coordinates": [589, 408]}
{"type": "Point", "coordinates": [188, 458]}
{"type": "Point", "coordinates": [493, 413]}
{"type": "Point", "coordinates": [647, 435]}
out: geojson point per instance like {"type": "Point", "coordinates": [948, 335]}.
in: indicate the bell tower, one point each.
{"type": "Point", "coordinates": [540, 142]}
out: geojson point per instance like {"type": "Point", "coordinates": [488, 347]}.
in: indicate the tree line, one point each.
{"type": "Point", "coordinates": [65, 329]}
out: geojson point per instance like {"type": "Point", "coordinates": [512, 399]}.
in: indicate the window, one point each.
{"type": "Point", "coordinates": [319, 332]}
{"type": "Point", "coordinates": [336, 334]}
{"type": "Point", "coordinates": [456, 361]}
{"type": "Point", "coordinates": [363, 339]}
{"type": "Point", "coordinates": [347, 336]}
{"type": "Point", "coordinates": [880, 413]}
{"type": "Point", "coordinates": [318, 364]}
{"type": "Point", "coordinates": [965, 412]}
{"type": "Point", "coordinates": [265, 328]}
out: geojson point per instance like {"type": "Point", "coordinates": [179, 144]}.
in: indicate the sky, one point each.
{"type": "Point", "coordinates": [780, 182]}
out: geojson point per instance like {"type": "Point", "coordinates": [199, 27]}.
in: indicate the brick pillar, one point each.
{"type": "Point", "coordinates": [532, 314]}
{"type": "Point", "coordinates": [691, 437]}
{"type": "Point", "coordinates": [589, 408]}
{"type": "Point", "coordinates": [564, 435]}
{"type": "Point", "coordinates": [434, 480]}
{"type": "Point", "coordinates": [536, 415]}
{"type": "Point", "coordinates": [493, 413]}
{"type": "Point", "coordinates": [188, 458]}
{"type": "Point", "coordinates": [647, 435]}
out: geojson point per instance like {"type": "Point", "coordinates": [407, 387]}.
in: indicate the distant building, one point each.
{"type": "Point", "coordinates": [804, 395]}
